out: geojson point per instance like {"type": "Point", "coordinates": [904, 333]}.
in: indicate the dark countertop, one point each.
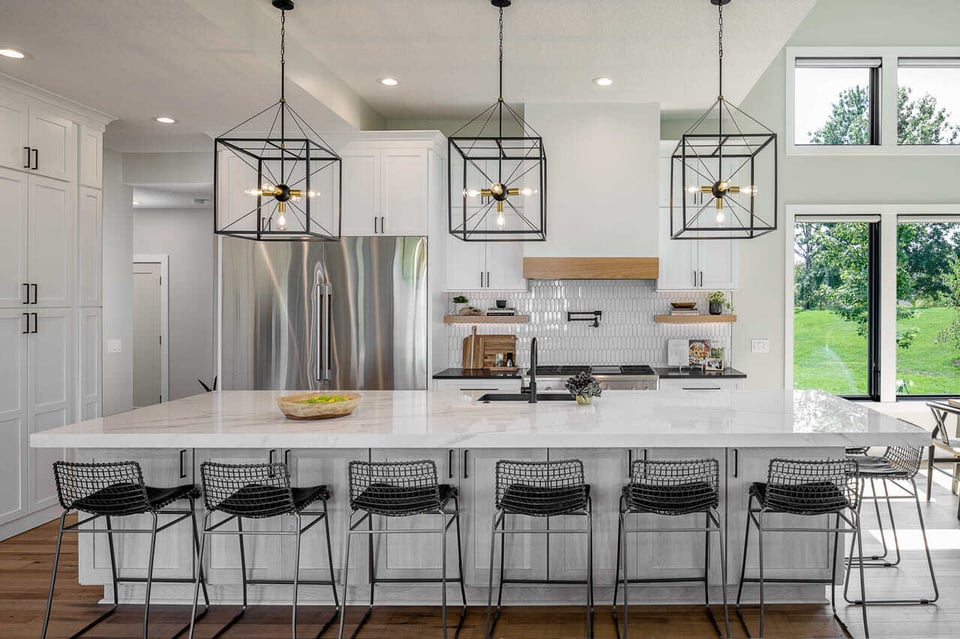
{"type": "Point", "coordinates": [476, 373]}
{"type": "Point", "coordinates": [696, 373]}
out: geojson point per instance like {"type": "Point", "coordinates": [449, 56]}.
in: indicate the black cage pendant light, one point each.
{"type": "Point", "coordinates": [275, 176]}
{"type": "Point", "coordinates": [497, 173]}
{"type": "Point", "coordinates": [723, 173]}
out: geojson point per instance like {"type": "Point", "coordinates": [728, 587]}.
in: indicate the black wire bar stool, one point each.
{"type": "Point", "coordinates": [259, 491]}
{"type": "Point", "coordinates": [116, 489]}
{"type": "Point", "coordinates": [898, 465]}
{"type": "Point", "coordinates": [672, 488]}
{"type": "Point", "coordinates": [539, 489]}
{"type": "Point", "coordinates": [827, 488]}
{"type": "Point", "coordinates": [402, 489]}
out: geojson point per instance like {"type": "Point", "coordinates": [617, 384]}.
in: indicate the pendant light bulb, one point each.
{"type": "Point", "coordinates": [282, 222]}
{"type": "Point", "coordinates": [720, 217]}
{"type": "Point", "coordinates": [500, 220]}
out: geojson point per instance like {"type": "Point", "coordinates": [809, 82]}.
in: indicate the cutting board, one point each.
{"type": "Point", "coordinates": [480, 351]}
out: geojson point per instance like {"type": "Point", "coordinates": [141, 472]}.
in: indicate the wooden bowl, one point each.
{"type": "Point", "coordinates": [683, 304]}
{"type": "Point", "coordinates": [290, 407]}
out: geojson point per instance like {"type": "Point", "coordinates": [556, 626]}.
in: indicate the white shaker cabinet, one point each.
{"type": "Point", "coordinates": [91, 157]}
{"type": "Point", "coordinates": [36, 137]}
{"type": "Point", "coordinates": [89, 247]}
{"type": "Point", "coordinates": [14, 141]}
{"type": "Point", "coordinates": [14, 283]}
{"type": "Point", "coordinates": [475, 266]}
{"type": "Point", "coordinates": [51, 241]}
{"type": "Point", "coordinates": [695, 264]}
{"type": "Point", "coordinates": [13, 414]}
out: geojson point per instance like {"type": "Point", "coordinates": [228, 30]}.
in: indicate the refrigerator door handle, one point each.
{"type": "Point", "coordinates": [323, 333]}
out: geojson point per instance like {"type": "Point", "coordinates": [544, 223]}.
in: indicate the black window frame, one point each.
{"type": "Point", "coordinates": [874, 67]}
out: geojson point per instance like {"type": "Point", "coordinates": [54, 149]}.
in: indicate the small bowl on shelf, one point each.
{"type": "Point", "coordinates": [318, 405]}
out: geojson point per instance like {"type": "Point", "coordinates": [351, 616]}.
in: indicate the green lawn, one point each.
{"type": "Point", "coordinates": [828, 354]}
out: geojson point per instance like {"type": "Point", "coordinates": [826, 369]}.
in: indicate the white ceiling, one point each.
{"type": "Point", "coordinates": [137, 59]}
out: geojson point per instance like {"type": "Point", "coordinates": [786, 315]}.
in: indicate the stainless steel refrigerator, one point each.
{"type": "Point", "coordinates": [324, 315]}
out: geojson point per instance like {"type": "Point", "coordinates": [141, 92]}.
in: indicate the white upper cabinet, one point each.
{"type": "Point", "coordinates": [475, 266]}
{"type": "Point", "coordinates": [14, 145]}
{"type": "Point", "coordinates": [53, 144]}
{"type": "Point", "coordinates": [51, 240]}
{"type": "Point", "coordinates": [14, 285]}
{"type": "Point", "coordinates": [695, 264]}
{"type": "Point", "coordinates": [89, 247]}
{"type": "Point", "coordinates": [91, 157]}
{"type": "Point", "coordinates": [387, 185]}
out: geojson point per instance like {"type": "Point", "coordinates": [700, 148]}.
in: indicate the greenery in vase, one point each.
{"type": "Point", "coordinates": [460, 299]}
{"type": "Point", "coordinates": [584, 385]}
{"type": "Point", "coordinates": [719, 297]}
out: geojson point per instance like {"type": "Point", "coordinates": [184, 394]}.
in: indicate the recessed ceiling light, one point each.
{"type": "Point", "coordinates": [603, 81]}
{"type": "Point", "coordinates": [389, 82]}
{"type": "Point", "coordinates": [164, 119]}
{"type": "Point", "coordinates": [16, 54]}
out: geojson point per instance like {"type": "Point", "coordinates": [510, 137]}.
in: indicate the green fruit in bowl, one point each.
{"type": "Point", "coordinates": [323, 399]}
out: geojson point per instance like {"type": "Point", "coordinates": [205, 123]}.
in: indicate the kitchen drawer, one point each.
{"type": "Point", "coordinates": [701, 384]}
{"type": "Point", "coordinates": [499, 385]}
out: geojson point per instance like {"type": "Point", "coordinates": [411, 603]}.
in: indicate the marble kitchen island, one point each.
{"type": "Point", "coordinates": [465, 437]}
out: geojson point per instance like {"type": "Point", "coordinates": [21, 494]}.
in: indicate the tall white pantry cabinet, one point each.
{"type": "Point", "coordinates": [51, 170]}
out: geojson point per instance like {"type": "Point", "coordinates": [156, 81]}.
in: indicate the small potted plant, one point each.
{"type": "Point", "coordinates": [584, 387]}
{"type": "Point", "coordinates": [717, 302]}
{"type": "Point", "coordinates": [458, 303]}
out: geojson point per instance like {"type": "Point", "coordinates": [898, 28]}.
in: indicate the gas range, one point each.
{"type": "Point", "coordinates": [628, 377]}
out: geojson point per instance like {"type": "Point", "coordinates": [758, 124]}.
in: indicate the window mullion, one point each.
{"type": "Point", "coordinates": [888, 101]}
{"type": "Point", "coordinates": [888, 308]}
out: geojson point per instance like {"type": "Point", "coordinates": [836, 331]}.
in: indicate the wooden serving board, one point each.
{"type": "Point", "coordinates": [480, 351]}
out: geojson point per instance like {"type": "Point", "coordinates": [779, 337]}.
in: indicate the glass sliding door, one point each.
{"type": "Point", "coordinates": [928, 306]}
{"type": "Point", "coordinates": [836, 305]}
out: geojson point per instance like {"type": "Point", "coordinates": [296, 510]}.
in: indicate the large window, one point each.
{"type": "Point", "coordinates": [928, 104]}
{"type": "Point", "coordinates": [836, 101]}
{"type": "Point", "coordinates": [836, 306]}
{"type": "Point", "coordinates": [928, 306]}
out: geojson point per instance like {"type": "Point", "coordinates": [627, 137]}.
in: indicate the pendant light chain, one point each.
{"type": "Point", "coordinates": [720, 92]}
{"type": "Point", "coordinates": [283, 86]}
{"type": "Point", "coordinates": [720, 52]}
{"type": "Point", "coordinates": [500, 94]}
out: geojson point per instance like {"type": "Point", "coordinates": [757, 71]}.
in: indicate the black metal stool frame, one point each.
{"type": "Point", "coordinates": [581, 506]}
{"type": "Point", "coordinates": [134, 501]}
{"type": "Point", "coordinates": [279, 470]}
{"type": "Point", "coordinates": [426, 501]}
{"type": "Point", "coordinates": [672, 473]}
{"type": "Point", "coordinates": [899, 466]}
{"type": "Point", "coordinates": [848, 514]}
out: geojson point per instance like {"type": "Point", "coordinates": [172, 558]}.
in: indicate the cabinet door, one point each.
{"type": "Point", "coordinates": [361, 193]}
{"type": "Point", "coordinates": [404, 192]}
{"type": "Point", "coordinates": [13, 414]}
{"type": "Point", "coordinates": [13, 131]}
{"type": "Point", "coordinates": [88, 384]}
{"type": "Point", "coordinates": [504, 266]}
{"type": "Point", "coordinates": [465, 265]}
{"type": "Point", "coordinates": [701, 384]}
{"type": "Point", "coordinates": [417, 555]}
{"type": "Point", "coordinates": [51, 243]}
{"type": "Point", "coordinates": [525, 554]}
{"type": "Point", "coordinates": [605, 469]}
{"type": "Point", "coordinates": [53, 143]}
{"type": "Point", "coordinates": [678, 259]}
{"type": "Point", "coordinates": [89, 246]}
{"type": "Point", "coordinates": [50, 394]}
{"type": "Point", "coordinates": [91, 157]}
{"type": "Point", "coordinates": [13, 240]}
{"type": "Point", "coordinates": [717, 264]}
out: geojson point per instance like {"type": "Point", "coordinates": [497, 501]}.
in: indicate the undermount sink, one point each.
{"type": "Point", "coordinates": [525, 397]}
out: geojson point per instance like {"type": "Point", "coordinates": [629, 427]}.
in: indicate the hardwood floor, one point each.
{"type": "Point", "coordinates": [25, 563]}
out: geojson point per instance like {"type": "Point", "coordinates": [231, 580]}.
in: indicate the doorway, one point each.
{"type": "Point", "coordinates": [150, 340]}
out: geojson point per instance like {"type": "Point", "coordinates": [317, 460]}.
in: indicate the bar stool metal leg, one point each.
{"type": "Point", "coordinates": [146, 602]}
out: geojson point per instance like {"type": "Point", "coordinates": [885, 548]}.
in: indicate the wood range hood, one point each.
{"type": "Point", "coordinates": [591, 268]}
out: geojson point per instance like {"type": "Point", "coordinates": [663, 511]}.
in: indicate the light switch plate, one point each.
{"type": "Point", "coordinates": [760, 345]}
{"type": "Point", "coordinates": [114, 346]}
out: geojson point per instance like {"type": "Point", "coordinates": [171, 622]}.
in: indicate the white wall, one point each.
{"type": "Point", "coordinates": [117, 286]}
{"type": "Point", "coordinates": [826, 179]}
{"type": "Point", "coordinates": [186, 236]}
{"type": "Point", "coordinates": [602, 179]}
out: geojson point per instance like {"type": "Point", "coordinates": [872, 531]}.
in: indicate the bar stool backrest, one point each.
{"type": "Point", "coordinates": [811, 487]}
{"type": "Point", "coordinates": [541, 489]}
{"type": "Point", "coordinates": [906, 459]}
{"type": "Point", "coordinates": [394, 488]}
{"type": "Point", "coordinates": [248, 490]}
{"type": "Point", "coordinates": [674, 487]}
{"type": "Point", "coordinates": [112, 488]}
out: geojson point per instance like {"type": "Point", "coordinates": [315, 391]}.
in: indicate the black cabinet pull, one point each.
{"type": "Point", "coordinates": [26, 164]}
{"type": "Point", "coordinates": [183, 472]}
{"type": "Point", "coordinates": [36, 159]}
{"type": "Point", "coordinates": [450, 464]}
{"type": "Point", "coordinates": [382, 225]}
{"type": "Point", "coordinates": [26, 288]}
{"type": "Point", "coordinates": [36, 290]}
{"type": "Point", "coordinates": [35, 323]}
{"type": "Point", "coordinates": [481, 279]}
{"type": "Point", "coordinates": [736, 462]}
{"type": "Point", "coordinates": [465, 466]}
{"type": "Point", "coordinates": [27, 330]}
{"type": "Point", "coordinates": [629, 462]}
{"type": "Point", "coordinates": [286, 458]}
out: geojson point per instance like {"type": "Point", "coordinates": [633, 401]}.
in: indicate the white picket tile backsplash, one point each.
{"type": "Point", "coordinates": [627, 333]}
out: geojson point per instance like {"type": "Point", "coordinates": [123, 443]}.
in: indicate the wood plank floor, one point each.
{"type": "Point", "coordinates": [25, 563]}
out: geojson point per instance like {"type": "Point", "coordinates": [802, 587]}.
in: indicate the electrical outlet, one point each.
{"type": "Point", "coordinates": [114, 346]}
{"type": "Point", "coordinates": [760, 346]}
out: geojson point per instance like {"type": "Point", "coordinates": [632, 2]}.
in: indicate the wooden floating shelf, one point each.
{"type": "Point", "coordinates": [696, 319]}
{"type": "Point", "coordinates": [486, 319]}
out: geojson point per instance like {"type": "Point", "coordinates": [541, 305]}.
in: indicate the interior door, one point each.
{"type": "Point", "coordinates": [147, 335]}
{"type": "Point", "coordinates": [13, 245]}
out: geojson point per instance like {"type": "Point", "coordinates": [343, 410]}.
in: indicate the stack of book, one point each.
{"type": "Point", "coordinates": [684, 311]}
{"type": "Point", "coordinates": [501, 311]}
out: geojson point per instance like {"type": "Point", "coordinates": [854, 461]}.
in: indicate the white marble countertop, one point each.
{"type": "Point", "coordinates": [454, 419]}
